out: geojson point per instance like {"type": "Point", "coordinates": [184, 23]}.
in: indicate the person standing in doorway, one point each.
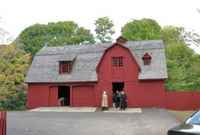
{"type": "Point", "coordinates": [114, 99]}
{"type": "Point", "coordinates": [118, 97]}
{"type": "Point", "coordinates": [123, 101]}
{"type": "Point", "coordinates": [104, 101]}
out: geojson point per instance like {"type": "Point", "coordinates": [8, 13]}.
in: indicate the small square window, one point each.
{"type": "Point", "coordinates": [65, 67]}
{"type": "Point", "coordinates": [146, 59]}
{"type": "Point", "coordinates": [117, 61]}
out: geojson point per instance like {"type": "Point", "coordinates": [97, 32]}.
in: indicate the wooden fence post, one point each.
{"type": "Point", "coordinates": [3, 123]}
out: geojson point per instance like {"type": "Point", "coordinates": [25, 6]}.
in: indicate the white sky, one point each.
{"type": "Point", "coordinates": [18, 14]}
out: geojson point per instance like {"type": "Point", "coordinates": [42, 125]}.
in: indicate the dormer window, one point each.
{"type": "Point", "coordinates": [65, 67]}
{"type": "Point", "coordinates": [146, 59]}
{"type": "Point", "coordinates": [117, 61]}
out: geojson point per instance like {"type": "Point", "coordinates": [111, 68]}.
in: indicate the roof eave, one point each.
{"type": "Point", "coordinates": [31, 82]}
{"type": "Point", "coordinates": [161, 78]}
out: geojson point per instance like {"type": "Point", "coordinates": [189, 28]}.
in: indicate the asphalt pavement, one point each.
{"type": "Point", "coordinates": [148, 122]}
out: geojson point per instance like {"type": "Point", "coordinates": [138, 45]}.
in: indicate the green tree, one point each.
{"type": "Point", "coordinates": [13, 66]}
{"type": "Point", "coordinates": [35, 37]}
{"type": "Point", "coordinates": [182, 62]}
{"type": "Point", "coordinates": [172, 34]}
{"type": "Point", "coordinates": [104, 29]}
{"type": "Point", "coordinates": [144, 29]}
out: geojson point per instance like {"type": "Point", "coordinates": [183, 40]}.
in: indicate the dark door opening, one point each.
{"type": "Point", "coordinates": [117, 86]}
{"type": "Point", "coordinates": [64, 95]}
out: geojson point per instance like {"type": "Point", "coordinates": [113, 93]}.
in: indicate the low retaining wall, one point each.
{"type": "Point", "coordinates": [2, 123]}
{"type": "Point", "coordinates": [182, 100]}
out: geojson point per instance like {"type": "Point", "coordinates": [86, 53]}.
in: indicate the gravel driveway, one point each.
{"type": "Point", "coordinates": [149, 122]}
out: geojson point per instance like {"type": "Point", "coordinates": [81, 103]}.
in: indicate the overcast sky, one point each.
{"type": "Point", "coordinates": [18, 14]}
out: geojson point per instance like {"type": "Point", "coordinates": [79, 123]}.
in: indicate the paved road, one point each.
{"type": "Point", "coordinates": [149, 122]}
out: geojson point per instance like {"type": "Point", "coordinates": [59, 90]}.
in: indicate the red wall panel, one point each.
{"type": "Point", "coordinates": [3, 121]}
{"type": "Point", "coordinates": [145, 94]}
{"type": "Point", "coordinates": [140, 94]}
{"type": "Point", "coordinates": [38, 95]}
{"type": "Point", "coordinates": [182, 100]}
{"type": "Point", "coordinates": [53, 96]}
{"type": "Point", "coordinates": [195, 100]}
{"type": "Point", "coordinates": [83, 96]}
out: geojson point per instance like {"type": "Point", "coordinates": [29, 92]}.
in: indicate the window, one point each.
{"type": "Point", "coordinates": [65, 67]}
{"type": "Point", "coordinates": [146, 59]}
{"type": "Point", "coordinates": [117, 61]}
{"type": "Point", "coordinates": [194, 119]}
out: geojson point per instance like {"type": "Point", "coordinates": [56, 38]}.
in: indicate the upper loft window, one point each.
{"type": "Point", "coordinates": [146, 59]}
{"type": "Point", "coordinates": [65, 67]}
{"type": "Point", "coordinates": [117, 61]}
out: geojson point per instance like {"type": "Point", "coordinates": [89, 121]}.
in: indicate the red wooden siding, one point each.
{"type": "Point", "coordinates": [83, 96]}
{"type": "Point", "coordinates": [3, 119]}
{"type": "Point", "coordinates": [183, 100]}
{"type": "Point", "coordinates": [151, 94]}
{"type": "Point", "coordinates": [145, 94]}
{"type": "Point", "coordinates": [53, 96]}
{"type": "Point", "coordinates": [38, 95]}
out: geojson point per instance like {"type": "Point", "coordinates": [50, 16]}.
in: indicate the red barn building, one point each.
{"type": "Point", "coordinates": [80, 73]}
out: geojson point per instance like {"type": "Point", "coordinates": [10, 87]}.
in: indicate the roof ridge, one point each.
{"type": "Point", "coordinates": [136, 45]}
{"type": "Point", "coordinates": [96, 44]}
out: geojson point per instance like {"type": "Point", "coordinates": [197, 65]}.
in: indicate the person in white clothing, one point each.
{"type": "Point", "coordinates": [104, 101]}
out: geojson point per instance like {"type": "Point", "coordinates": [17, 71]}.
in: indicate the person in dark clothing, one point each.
{"type": "Point", "coordinates": [114, 99]}
{"type": "Point", "coordinates": [123, 101]}
{"type": "Point", "coordinates": [118, 97]}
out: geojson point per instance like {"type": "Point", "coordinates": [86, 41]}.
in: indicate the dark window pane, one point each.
{"type": "Point", "coordinates": [117, 61]}
{"type": "Point", "coordinates": [146, 59]}
{"type": "Point", "coordinates": [65, 67]}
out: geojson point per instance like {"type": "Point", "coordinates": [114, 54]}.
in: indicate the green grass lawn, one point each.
{"type": "Point", "coordinates": [181, 115]}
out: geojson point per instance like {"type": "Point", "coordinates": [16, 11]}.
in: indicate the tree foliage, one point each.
{"type": "Point", "coordinates": [13, 66]}
{"type": "Point", "coordinates": [172, 34]}
{"type": "Point", "coordinates": [104, 29]}
{"type": "Point", "coordinates": [144, 29]}
{"type": "Point", "coordinates": [183, 64]}
{"type": "Point", "coordinates": [14, 102]}
{"type": "Point", "coordinates": [35, 37]}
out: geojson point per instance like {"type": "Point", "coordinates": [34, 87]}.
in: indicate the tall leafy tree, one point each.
{"type": "Point", "coordinates": [35, 37]}
{"type": "Point", "coordinates": [182, 62]}
{"type": "Point", "coordinates": [104, 29]}
{"type": "Point", "coordinates": [13, 66]}
{"type": "Point", "coordinates": [172, 34]}
{"type": "Point", "coordinates": [144, 29]}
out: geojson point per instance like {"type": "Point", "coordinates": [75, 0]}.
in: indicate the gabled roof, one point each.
{"type": "Point", "coordinates": [45, 66]}
{"type": "Point", "coordinates": [122, 46]}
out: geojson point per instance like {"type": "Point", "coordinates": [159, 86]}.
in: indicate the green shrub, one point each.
{"type": "Point", "coordinates": [16, 102]}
